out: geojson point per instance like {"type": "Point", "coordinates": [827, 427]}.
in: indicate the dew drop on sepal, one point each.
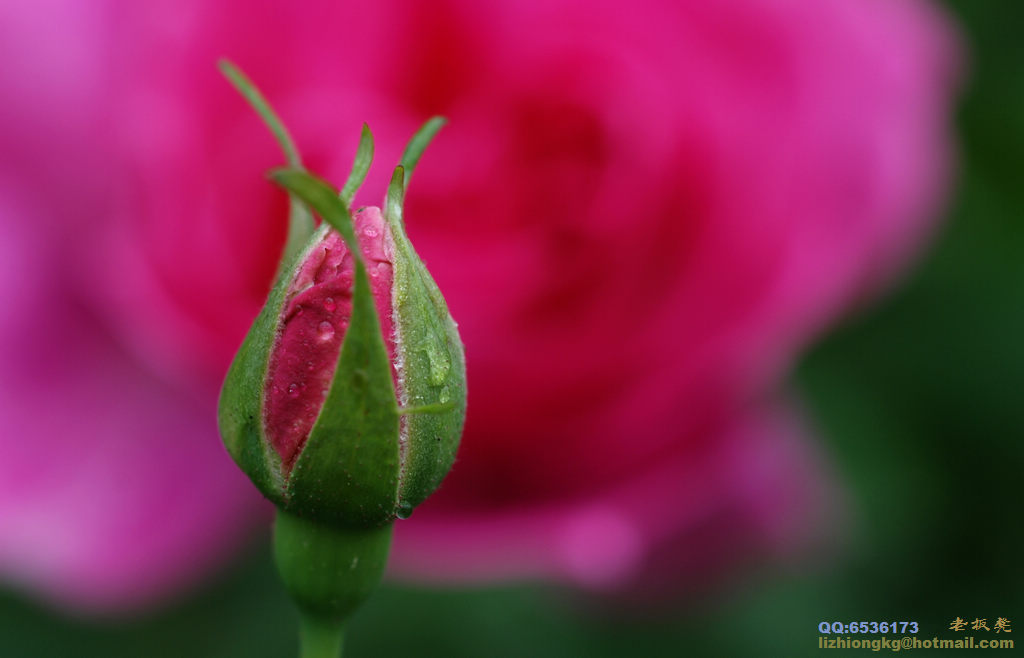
{"type": "Point", "coordinates": [439, 363]}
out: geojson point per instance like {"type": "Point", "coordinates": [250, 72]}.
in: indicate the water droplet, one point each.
{"type": "Point", "coordinates": [330, 305]}
{"type": "Point", "coordinates": [439, 364]}
{"type": "Point", "coordinates": [404, 510]}
{"type": "Point", "coordinates": [370, 232]}
{"type": "Point", "coordinates": [445, 396]}
{"type": "Point", "coordinates": [325, 330]}
{"type": "Point", "coordinates": [310, 366]}
{"type": "Point", "coordinates": [294, 390]}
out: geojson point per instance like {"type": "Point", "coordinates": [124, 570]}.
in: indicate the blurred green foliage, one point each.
{"type": "Point", "coordinates": [918, 401]}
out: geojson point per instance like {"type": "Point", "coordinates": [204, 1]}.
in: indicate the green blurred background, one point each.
{"type": "Point", "coordinates": [918, 404]}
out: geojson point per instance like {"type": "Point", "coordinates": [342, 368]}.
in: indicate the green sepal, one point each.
{"type": "Point", "coordinates": [324, 199]}
{"type": "Point", "coordinates": [252, 94]}
{"type": "Point", "coordinates": [433, 375]}
{"type": "Point", "coordinates": [360, 167]}
{"type": "Point", "coordinates": [300, 221]}
{"type": "Point", "coordinates": [240, 408]}
{"type": "Point", "coordinates": [348, 470]}
{"type": "Point", "coordinates": [418, 144]}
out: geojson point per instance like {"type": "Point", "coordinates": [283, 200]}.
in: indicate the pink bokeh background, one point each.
{"type": "Point", "coordinates": [640, 215]}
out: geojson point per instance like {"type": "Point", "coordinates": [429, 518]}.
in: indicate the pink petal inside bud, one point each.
{"type": "Point", "coordinates": [314, 319]}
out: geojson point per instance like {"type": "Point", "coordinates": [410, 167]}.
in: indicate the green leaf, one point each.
{"type": "Point", "coordinates": [419, 142]}
{"type": "Point", "coordinates": [364, 156]}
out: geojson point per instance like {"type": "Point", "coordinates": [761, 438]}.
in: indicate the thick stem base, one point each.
{"type": "Point", "coordinates": [328, 572]}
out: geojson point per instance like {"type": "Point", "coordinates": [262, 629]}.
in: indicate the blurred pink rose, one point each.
{"type": "Point", "coordinates": [639, 214]}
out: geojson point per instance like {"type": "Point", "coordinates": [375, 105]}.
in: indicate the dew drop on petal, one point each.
{"type": "Point", "coordinates": [330, 305]}
{"type": "Point", "coordinates": [293, 390]}
{"type": "Point", "coordinates": [325, 330]}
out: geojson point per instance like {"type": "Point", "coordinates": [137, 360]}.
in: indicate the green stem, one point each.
{"type": "Point", "coordinates": [328, 571]}
{"type": "Point", "coordinates": [319, 638]}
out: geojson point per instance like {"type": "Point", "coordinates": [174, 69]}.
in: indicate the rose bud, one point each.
{"type": "Point", "coordinates": [345, 403]}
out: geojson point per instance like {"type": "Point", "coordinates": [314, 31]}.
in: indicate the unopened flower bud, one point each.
{"type": "Point", "coordinates": [346, 401]}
